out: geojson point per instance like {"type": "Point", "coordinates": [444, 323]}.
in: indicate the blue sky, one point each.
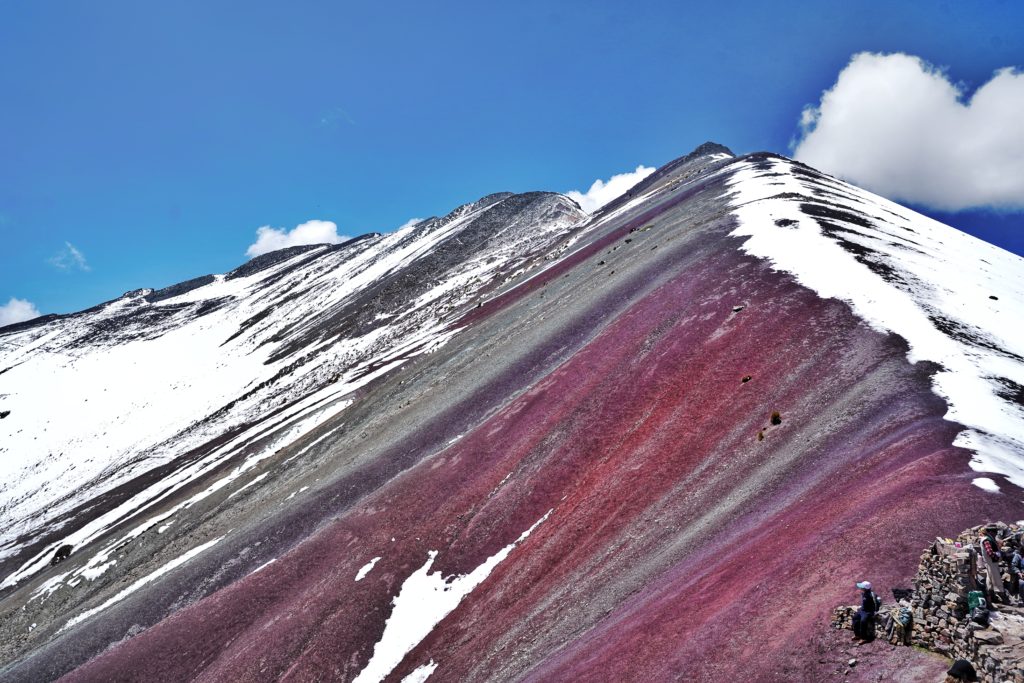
{"type": "Point", "coordinates": [156, 139]}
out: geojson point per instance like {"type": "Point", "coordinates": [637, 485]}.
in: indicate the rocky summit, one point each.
{"type": "Point", "coordinates": [516, 443]}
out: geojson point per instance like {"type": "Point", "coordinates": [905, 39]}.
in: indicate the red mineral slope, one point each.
{"type": "Point", "coordinates": [680, 544]}
{"type": "Point", "coordinates": [582, 481]}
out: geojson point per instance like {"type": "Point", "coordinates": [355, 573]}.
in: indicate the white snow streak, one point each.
{"type": "Point", "coordinates": [263, 566]}
{"type": "Point", "coordinates": [366, 568]}
{"type": "Point", "coordinates": [421, 673]}
{"type": "Point", "coordinates": [422, 602]}
{"type": "Point", "coordinates": [255, 480]}
{"type": "Point", "coordinates": [149, 578]}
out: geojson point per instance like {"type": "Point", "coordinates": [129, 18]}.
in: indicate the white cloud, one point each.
{"type": "Point", "coordinates": [603, 191]}
{"type": "Point", "coordinates": [898, 126]}
{"type": "Point", "coordinates": [409, 223]}
{"type": "Point", "coordinates": [70, 258]}
{"type": "Point", "coordinates": [16, 311]}
{"type": "Point", "coordinates": [310, 232]}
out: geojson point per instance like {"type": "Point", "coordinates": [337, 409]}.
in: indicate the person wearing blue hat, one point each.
{"type": "Point", "coordinates": [864, 619]}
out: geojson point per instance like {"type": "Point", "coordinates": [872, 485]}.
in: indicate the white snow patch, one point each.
{"type": "Point", "coordinates": [48, 587]}
{"type": "Point", "coordinates": [425, 599]}
{"type": "Point", "coordinates": [941, 278]}
{"type": "Point", "coordinates": [93, 573]}
{"type": "Point", "coordinates": [141, 582]}
{"type": "Point", "coordinates": [421, 673]}
{"type": "Point", "coordinates": [366, 568]}
{"type": "Point", "coordinates": [986, 484]}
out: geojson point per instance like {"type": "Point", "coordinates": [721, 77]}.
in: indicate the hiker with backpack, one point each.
{"type": "Point", "coordinates": [864, 619]}
{"type": "Point", "coordinates": [989, 544]}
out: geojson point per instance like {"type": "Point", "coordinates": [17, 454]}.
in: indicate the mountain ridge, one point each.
{"type": "Point", "coordinates": [580, 408]}
{"type": "Point", "coordinates": [705, 149]}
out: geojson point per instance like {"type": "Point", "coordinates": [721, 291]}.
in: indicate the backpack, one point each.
{"type": "Point", "coordinates": [876, 600]}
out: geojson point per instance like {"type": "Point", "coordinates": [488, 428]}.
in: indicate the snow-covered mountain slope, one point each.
{"type": "Point", "coordinates": [958, 301]}
{"type": "Point", "coordinates": [101, 397]}
{"type": "Point", "coordinates": [516, 443]}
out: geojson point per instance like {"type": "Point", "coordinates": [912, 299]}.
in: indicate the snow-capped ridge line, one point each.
{"type": "Point", "coordinates": [958, 301]}
{"type": "Point", "coordinates": [303, 326]}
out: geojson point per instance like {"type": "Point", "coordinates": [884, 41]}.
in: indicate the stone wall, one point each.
{"type": "Point", "coordinates": [944, 577]}
{"type": "Point", "coordinates": [941, 623]}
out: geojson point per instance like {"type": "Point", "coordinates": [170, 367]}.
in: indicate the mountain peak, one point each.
{"type": "Point", "coordinates": [707, 149]}
{"type": "Point", "coordinates": [701, 158]}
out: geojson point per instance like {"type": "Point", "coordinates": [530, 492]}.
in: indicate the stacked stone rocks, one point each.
{"type": "Point", "coordinates": [842, 617]}
{"type": "Point", "coordinates": [945, 577]}
{"type": "Point", "coordinates": [998, 652]}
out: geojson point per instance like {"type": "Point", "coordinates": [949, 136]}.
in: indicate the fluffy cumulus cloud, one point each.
{"type": "Point", "coordinates": [70, 258]}
{"type": "Point", "coordinates": [16, 311]}
{"type": "Point", "coordinates": [898, 126]}
{"type": "Point", "coordinates": [311, 232]}
{"type": "Point", "coordinates": [603, 191]}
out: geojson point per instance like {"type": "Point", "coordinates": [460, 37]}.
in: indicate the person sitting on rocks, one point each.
{"type": "Point", "coordinates": [962, 670]}
{"type": "Point", "coordinates": [864, 619]}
